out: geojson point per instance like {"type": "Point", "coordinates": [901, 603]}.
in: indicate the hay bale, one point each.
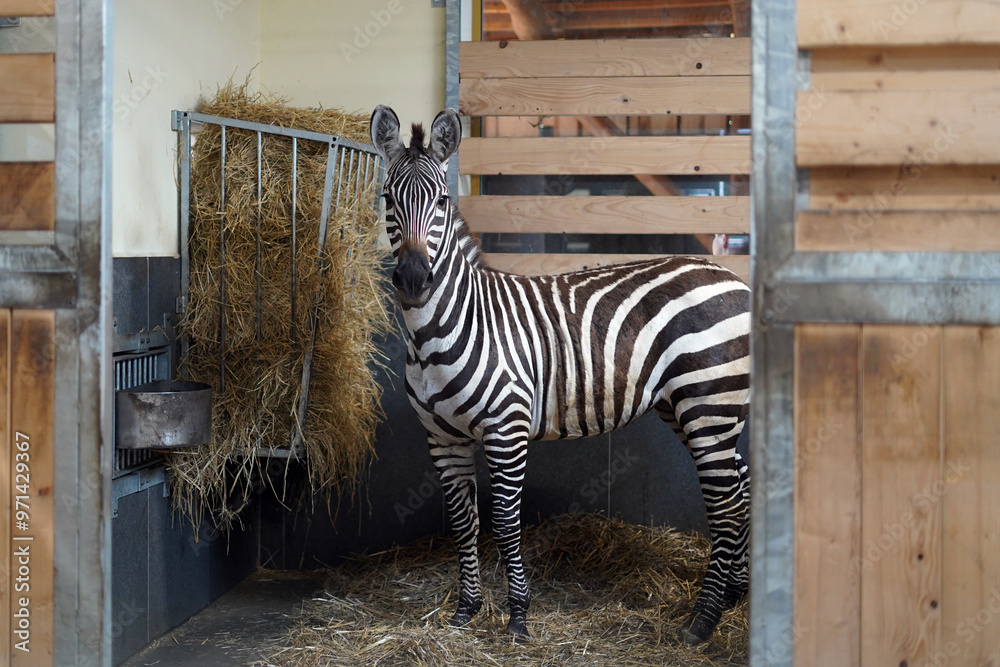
{"type": "Point", "coordinates": [265, 347]}
{"type": "Point", "coordinates": [603, 593]}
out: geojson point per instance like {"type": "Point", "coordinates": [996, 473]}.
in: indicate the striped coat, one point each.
{"type": "Point", "coordinates": [504, 359]}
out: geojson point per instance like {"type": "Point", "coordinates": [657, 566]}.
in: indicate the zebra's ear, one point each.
{"type": "Point", "coordinates": [384, 130]}
{"type": "Point", "coordinates": [446, 134]}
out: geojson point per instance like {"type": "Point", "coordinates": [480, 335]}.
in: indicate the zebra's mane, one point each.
{"type": "Point", "coordinates": [467, 243]}
{"type": "Point", "coordinates": [417, 139]}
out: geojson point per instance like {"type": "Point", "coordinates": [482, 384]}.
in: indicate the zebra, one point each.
{"type": "Point", "coordinates": [504, 359]}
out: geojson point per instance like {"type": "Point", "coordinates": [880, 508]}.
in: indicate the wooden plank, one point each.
{"type": "Point", "coordinates": [27, 88]}
{"type": "Point", "coordinates": [952, 66]}
{"type": "Point", "coordinates": [898, 231]}
{"type": "Point", "coordinates": [606, 155]}
{"type": "Point", "coordinates": [543, 264]}
{"type": "Point", "coordinates": [33, 425]}
{"type": "Point", "coordinates": [6, 458]}
{"type": "Point", "coordinates": [898, 127]}
{"type": "Point", "coordinates": [827, 495]}
{"type": "Point", "coordinates": [970, 600]}
{"type": "Point", "coordinates": [901, 530]}
{"type": "Point", "coordinates": [912, 187]}
{"type": "Point", "coordinates": [603, 215]}
{"type": "Point", "coordinates": [597, 96]}
{"type": "Point", "coordinates": [28, 201]}
{"type": "Point", "coordinates": [27, 7]}
{"type": "Point", "coordinates": [882, 22]}
{"type": "Point", "coordinates": [605, 57]}
{"type": "Point", "coordinates": [693, 19]}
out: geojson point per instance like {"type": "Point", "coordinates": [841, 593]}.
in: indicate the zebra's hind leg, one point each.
{"type": "Point", "coordinates": [739, 575]}
{"type": "Point", "coordinates": [724, 487]}
{"type": "Point", "coordinates": [456, 469]}
{"type": "Point", "coordinates": [506, 456]}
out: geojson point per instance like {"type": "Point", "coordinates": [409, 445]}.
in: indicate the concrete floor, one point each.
{"type": "Point", "coordinates": [231, 630]}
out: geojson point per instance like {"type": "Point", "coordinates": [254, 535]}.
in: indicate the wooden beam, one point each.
{"type": "Point", "coordinates": [6, 483]}
{"type": "Point", "coordinates": [27, 88]}
{"type": "Point", "coordinates": [883, 22]}
{"type": "Point", "coordinates": [28, 201]}
{"type": "Point", "coordinates": [901, 68]}
{"type": "Point", "coordinates": [549, 264]}
{"type": "Point", "coordinates": [971, 505]}
{"type": "Point", "coordinates": [901, 530]}
{"type": "Point", "coordinates": [915, 187]}
{"type": "Point", "coordinates": [562, 24]}
{"type": "Point", "coordinates": [32, 395]}
{"type": "Point", "coordinates": [606, 57]}
{"type": "Point", "coordinates": [898, 127]}
{"type": "Point", "coordinates": [586, 6]}
{"type": "Point", "coordinates": [607, 215]}
{"type": "Point", "coordinates": [599, 96]}
{"type": "Point", "coordinates": [827, 495]}
{"type": "Point", "coordinates": [606, 155]}
{"type": "Point", "coordinates": [898, 231]}
{"type": "Point", "coordinates": [27, 7]}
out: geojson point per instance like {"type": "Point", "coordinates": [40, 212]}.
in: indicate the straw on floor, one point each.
{"type": "Point", "coordinates": [265, 347]}
{"type": "Point", "coordinates": [603, 593]}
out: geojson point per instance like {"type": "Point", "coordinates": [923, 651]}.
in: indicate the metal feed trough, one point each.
{"type": "Point", "coordinates": [348, 164]}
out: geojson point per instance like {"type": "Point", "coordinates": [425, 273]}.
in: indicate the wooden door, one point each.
{"type": "Point", "coordinates": [876, 436]}
{"type": "Point", "coordinates": [55, 359]}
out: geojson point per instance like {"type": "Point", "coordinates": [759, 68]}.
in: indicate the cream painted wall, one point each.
{"type": "Point", "coordinates": [356, 55]}
{"type": "Point", "coordinates": [167, 55]}
{"type": "Point", "coordinates": [171, 55]}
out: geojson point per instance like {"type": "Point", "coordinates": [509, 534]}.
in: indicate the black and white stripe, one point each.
{"type": "Point", "coordinates": [505, 359]}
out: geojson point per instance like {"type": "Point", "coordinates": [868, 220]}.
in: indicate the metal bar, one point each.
{"type": "Point", "coordinates": [295, 274]}
{"type": "Point", "coordinates": [324, 225]}
{"type": "Point", "coordinates": [774, 182]}
{"type": "Point", "coordinates": [222, 269]}
{"type": "Point", "coordinates": [260, 216]}
{"type": "Point", "coordinates": [772, 539]}
{"type": "Point", "coordinates": [185, 217]}
{"type": "Point", "coordinates": [275, 130]}
{"type": "Point", "coordinates": [453, 34]}
{"type": "Point", "coordinates": [259, 277]}
{"type": "Point", "coordinates": [900, 302]}
{"type": "Point", "coordinates": [872, 267]}
{"type": "Point", "coordinates": [32, 258]}
{"type": "Point", "coordinates": [29, 289]}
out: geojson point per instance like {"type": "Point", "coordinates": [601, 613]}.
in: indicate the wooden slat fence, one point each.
{"type": "Point", "coordinates": [591, 90]}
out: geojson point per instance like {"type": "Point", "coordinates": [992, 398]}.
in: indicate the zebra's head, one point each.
{"type": "Point", "coordinates": [417, 202]}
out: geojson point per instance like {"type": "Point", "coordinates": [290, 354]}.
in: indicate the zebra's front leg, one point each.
{"type": "Point", "coordinates": [456, 469]}
{"type": "Point", "coordinates": [506, 456]}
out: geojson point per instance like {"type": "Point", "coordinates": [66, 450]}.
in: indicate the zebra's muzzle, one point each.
{"type": "Point", "coordinates": [413, 276]}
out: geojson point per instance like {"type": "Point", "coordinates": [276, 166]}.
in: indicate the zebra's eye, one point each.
{"type": "Point", "coordinates": [443, 201]}
{"type": "Point", "coordinates": [388, 200]}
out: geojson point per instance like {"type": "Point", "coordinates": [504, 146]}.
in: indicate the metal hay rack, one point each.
{"type": "Point", "coordinates": [350, 166]}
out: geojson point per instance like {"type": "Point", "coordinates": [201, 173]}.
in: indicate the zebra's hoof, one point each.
{"type": "Point", "coordinates": [460, 619]}
{"type": "Point", "coordinates": [517, 627]}
{"type": "Point", "coordinates": [697, 628]}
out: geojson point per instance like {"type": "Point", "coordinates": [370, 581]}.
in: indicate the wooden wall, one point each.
{"type": "Point", "coordinates": [897, 427]}
{"type": "Point", "coordinates": [588, 89]}
{"type": "Point", "coordinates": [27, 377]}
